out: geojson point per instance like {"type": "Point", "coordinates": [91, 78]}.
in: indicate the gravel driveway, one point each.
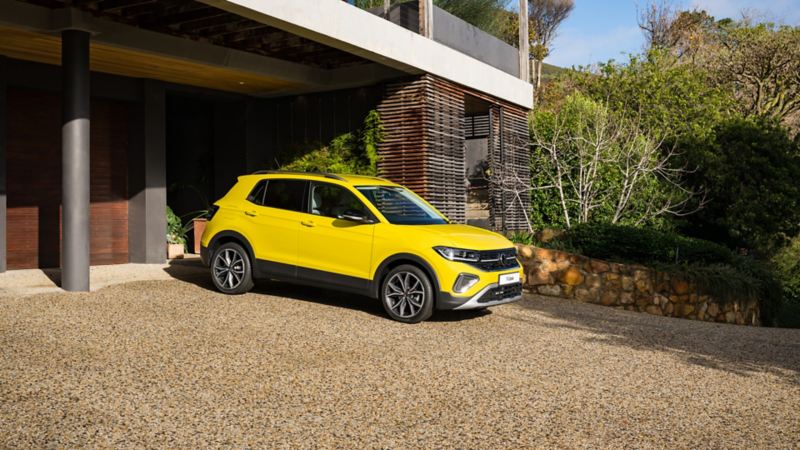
{"type": "Point", "coordinates": [174, 364]}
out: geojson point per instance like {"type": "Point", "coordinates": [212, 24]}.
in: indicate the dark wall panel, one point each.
{"type": "Point", "coordinates": [34, 180]}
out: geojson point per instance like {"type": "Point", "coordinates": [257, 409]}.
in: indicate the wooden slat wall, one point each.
{"type": "Point", "coordinates": [34, 180]}
{"type": "Point", "coordinates": [424, 145]}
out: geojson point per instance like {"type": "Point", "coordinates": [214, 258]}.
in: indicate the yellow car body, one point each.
{"type": "Point", "coordinates": [309, 247]}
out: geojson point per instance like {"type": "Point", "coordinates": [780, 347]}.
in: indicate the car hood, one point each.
{"type": "Point", "coordinates": [465, 236]}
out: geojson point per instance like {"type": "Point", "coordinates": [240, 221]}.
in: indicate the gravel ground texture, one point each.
{"type": "Point", "coordinates": [171, 363]}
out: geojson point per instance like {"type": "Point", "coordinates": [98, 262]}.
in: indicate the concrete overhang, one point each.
{"type": "Point", "coordinates": [340, 25]}
{"type": "Point", "coordinates": [31, 32]}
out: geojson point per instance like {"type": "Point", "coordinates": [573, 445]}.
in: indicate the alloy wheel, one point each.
{"type": "Point", "coordinates": [405, 294]}
{"type": "Point", "coordinates": [229, 268]}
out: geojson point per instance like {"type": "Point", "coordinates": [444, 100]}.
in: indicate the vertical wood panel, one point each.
{"type": "Point", "coordinates": [424, 146]}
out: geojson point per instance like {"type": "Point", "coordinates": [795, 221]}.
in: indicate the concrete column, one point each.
{"type": "Point", "coordinates": [75, 237]}
{"type": "Point", "coordinates": [524, 42]}
{"type": "Point", "coordinates": [147, 220]}
{"type": "Point", "coordinates": [3, 164]}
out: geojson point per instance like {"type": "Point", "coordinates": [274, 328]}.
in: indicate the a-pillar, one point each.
{"type": "Point", "coordinates": [75, 160]}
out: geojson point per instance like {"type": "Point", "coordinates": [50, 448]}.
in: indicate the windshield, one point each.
{"type": "Point", "coordinates": [400, 206]}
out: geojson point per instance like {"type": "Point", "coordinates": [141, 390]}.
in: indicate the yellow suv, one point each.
{"type": "Point", "coordinates": [358, 234]}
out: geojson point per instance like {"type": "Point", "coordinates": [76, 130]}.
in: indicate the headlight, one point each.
{"type": "Point", "coordinates": [458, 254]}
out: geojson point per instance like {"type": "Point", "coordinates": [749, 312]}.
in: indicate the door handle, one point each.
{"type": "Point", "coordinates": [250, 213]}
{"type": "Point", "coordinates": [307, 223]}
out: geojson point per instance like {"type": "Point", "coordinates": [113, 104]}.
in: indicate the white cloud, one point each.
{"type": "Point", "coordinates": [572, 47]}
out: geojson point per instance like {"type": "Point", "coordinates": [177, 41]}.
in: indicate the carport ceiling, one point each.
{"type": "Point", "coordinates": [200, 22]}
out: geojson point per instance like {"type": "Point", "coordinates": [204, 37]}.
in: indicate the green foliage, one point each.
{"type": "Point", "coordinates": [713, 267]}
{"type": "Point", "coordinates": [522, 237]}
{"type": "Point", "coordinates": [641, 245]}
{"type": "Point", "coordinates": [349, 153]}
{"type": "Point", "coordinates": [176, 234]}
{"type": "Point", "coordinates": [787, 268]}
{"type": "Point", "coordinates": [675, 101]}
{"type": "Point", "coordinates": [591, 164]}
{"type": "Point", "coordinates": [751, 172]}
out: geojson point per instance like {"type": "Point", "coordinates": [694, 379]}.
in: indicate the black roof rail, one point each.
{"type": "Point", "coordinates": [332, 176]}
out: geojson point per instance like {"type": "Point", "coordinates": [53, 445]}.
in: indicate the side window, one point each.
{"type": "Point", "coordinates": [285, 194]}
{"type": "Point", "coordinates": [331, 200]}
{"type": "Point", "coordinates": [257, 195]}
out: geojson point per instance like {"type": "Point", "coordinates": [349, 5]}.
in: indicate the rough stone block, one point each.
{"type": "Point", "coordinates": [680, 287]}
{"type": "Point", "coordinates": [525, 251]}
{"type": "Point", "coordinates": [627, 283]}
{"type": "Point", "coordinates": [552, 290]}
{"type": "Point", "coordinates": [653, 309]}
{"type": "Point", "coordinates": [571, 277]}
{"type": "Point", "coordinates": [599, 266]}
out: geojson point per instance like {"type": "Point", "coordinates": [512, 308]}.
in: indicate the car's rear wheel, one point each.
{"type": "Point", "coordinates": [407, 294]}
{"type": "Point", "coordinates": [231, 270]}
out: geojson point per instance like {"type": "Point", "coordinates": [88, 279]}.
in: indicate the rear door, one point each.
{"type": "Point", "coordinates": [340, 248]}
{"type": "Point", "coordinates": [273, 211]}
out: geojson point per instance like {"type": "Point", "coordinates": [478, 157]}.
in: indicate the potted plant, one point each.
{"type": "Point", "coordinates": [176, 236]}
{"type": "Point", "coordinates": [195, 220]}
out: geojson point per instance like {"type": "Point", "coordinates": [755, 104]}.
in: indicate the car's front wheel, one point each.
{"type": "Point", "coordinates": [407, 294]}
{"type": "Point", "coordinates": [231, 270]}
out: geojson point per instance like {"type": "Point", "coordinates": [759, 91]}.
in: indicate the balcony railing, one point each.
{"type": "Point", "coordinates": [456, 34]}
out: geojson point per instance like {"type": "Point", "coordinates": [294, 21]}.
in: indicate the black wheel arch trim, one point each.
{"type": "Point", "coordinates": [212, 245]}
{"type": "Point", "coordinates": [380, 272]}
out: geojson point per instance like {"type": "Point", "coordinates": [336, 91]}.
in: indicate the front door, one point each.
{"type": "Point", "coordinates": [341, 249]}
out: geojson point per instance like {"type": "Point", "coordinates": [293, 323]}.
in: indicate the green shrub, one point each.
{"type": "Point", "coordinates": [638, 245]}
{"type": "Point", "coordinates": [522, 237]}
{"type": "Point", "coordinates": [350, 153]}
{"type": "Point", "coordinates": [715, 268]}
{"type": "Point", "coordinates": [176, 234]}
{"type": "Point", "coordinates": [787, 268]}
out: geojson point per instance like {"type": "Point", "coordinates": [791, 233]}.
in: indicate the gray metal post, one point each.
{"type": "Point", "coordinates": [75, 160]}
{"type": "Point", "coordinates": [3, 164]}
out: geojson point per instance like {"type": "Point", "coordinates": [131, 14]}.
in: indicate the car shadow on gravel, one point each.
{"type": "Point", "coordinates": [736, 349]}
{"type": "Point", "coordinates": [192, 271]}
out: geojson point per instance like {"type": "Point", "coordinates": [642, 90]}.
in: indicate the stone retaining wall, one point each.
{"type": "Point", "coordinates": [555, 273]}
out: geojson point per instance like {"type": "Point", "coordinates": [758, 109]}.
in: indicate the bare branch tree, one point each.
{"type": "Point", "coordinates": [545, 16]}
{"type": "Point", "coordinates": [596, 160]}
{"type": "Point", "coordinates": [655, 21]}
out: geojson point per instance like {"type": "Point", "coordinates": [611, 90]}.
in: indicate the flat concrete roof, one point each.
{"type": "Point", "coordinates": [341, 25]}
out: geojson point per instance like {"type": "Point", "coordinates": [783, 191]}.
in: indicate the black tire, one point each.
{"type": "Point", "coordinates": [407, 294]}
{"type": "Point", "coordinates": [231, 271]}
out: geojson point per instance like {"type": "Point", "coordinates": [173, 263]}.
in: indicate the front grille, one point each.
{"type": "Point", "coordinates": [502, 293]}
{"type": "Point", "coordinates": [494, 260]}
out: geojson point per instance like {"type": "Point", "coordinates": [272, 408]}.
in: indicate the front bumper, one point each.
{"type": "Point", "coordinates": [491, 295]}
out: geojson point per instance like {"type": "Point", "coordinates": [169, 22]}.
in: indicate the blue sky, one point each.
{"type": "Point", "coordinates": [600, 30]}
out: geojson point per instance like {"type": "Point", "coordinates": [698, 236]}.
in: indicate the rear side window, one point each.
{"type": "Point", "coordinates": [285, 194]}
{"type": "Point", "coordinates": [257, 195]}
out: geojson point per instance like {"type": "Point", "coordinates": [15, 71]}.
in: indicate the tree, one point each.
{"type": "Point", "coordinates": [655, 21]}
{"type": "Point", "coordinates": [761, 65]}
{"type": "Point", "coordinates": [751, 174]}
{"type": "Point", "coordinates": [544, 18]}
{"type": "Point", "coordinates": [598, 166]}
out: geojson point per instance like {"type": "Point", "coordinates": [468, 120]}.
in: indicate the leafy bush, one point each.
{"type": "Point", "coordinates": [787, 267]}
{"type": "Point", "coordinates": [640, 245]}
{"type": "Point", "coordinates": [349, 153]}
{"type": "Point", "coordinates": [715, 268]}
{"type": "Point", "coordinates": [176, 234]}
